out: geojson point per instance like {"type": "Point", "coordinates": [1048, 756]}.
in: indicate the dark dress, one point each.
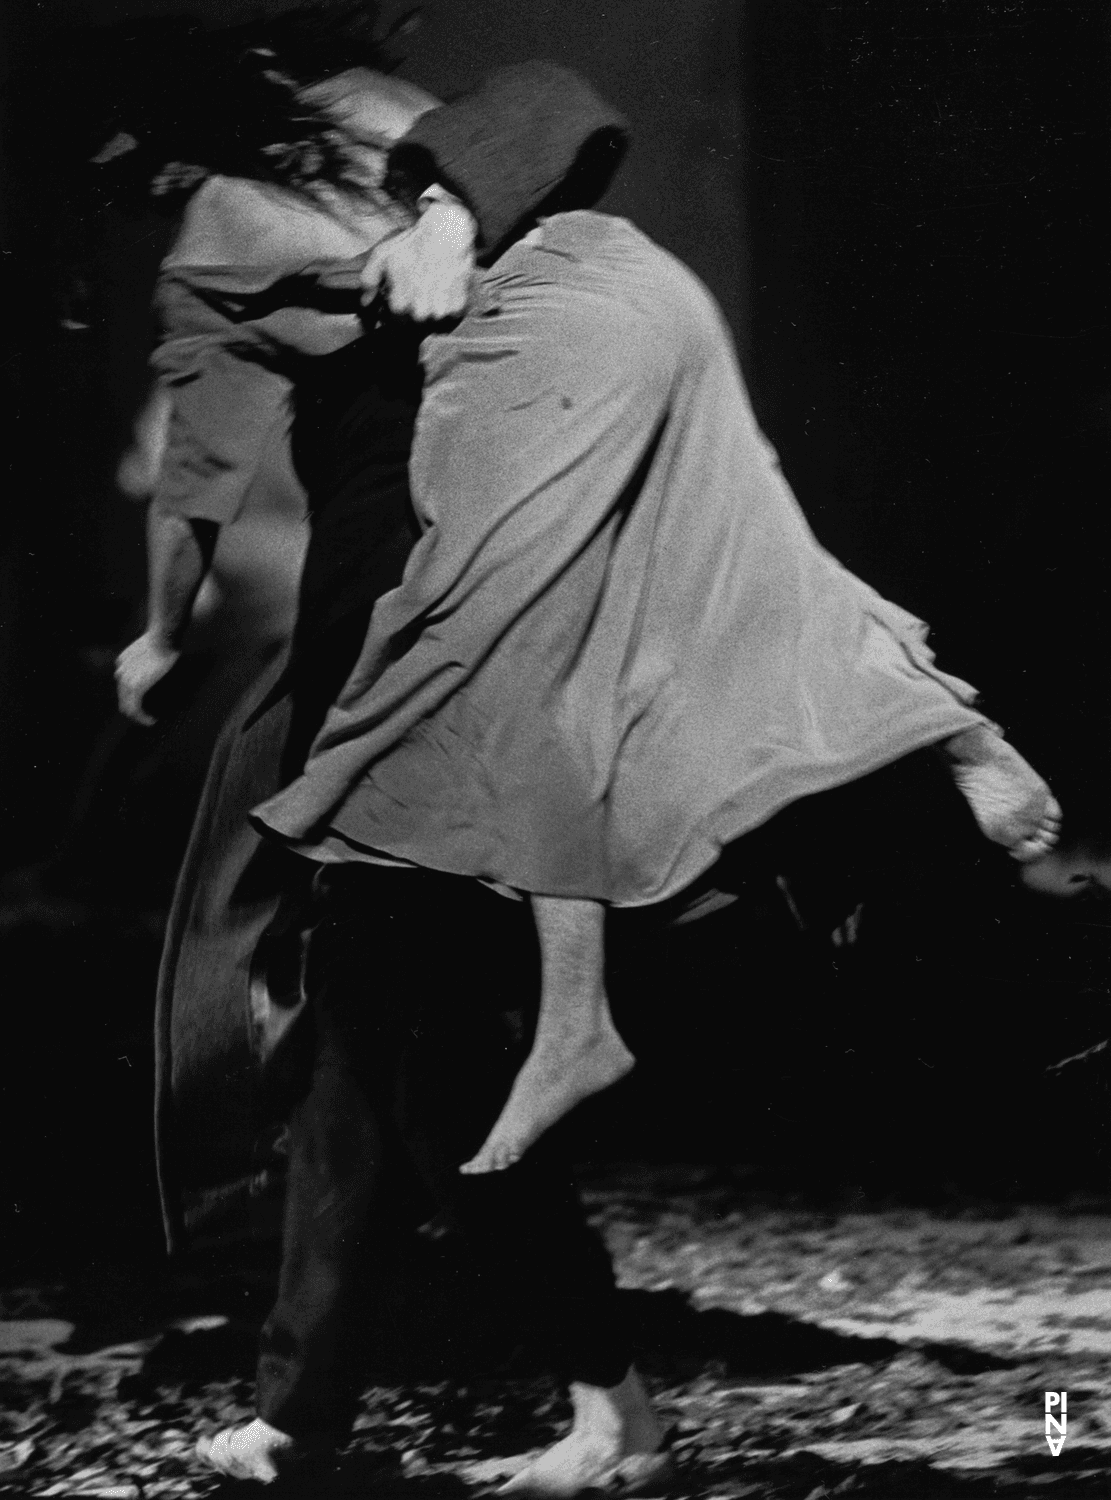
{"type": "Point", "coordinates": [240, 899]}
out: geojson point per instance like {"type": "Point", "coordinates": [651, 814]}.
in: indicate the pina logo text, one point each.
{"type": "Point", "coordinates": [1055, 1426]}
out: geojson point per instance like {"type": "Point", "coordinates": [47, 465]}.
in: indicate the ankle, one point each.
{"type": "Point", "coordinates": [597, 1413]}
{"type": "Point", "coordinates": [586, 1026]}
{"type": "Point", "coordinates": [972, 746]}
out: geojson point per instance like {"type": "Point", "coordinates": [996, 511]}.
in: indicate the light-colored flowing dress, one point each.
{"type": "Point", "coordinates": [617, 646]}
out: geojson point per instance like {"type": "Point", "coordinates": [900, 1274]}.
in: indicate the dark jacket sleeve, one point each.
{"type": "Point", "coordinates": [507, 147]}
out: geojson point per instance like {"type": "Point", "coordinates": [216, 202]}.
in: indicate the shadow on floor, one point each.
{"type": "Point", "coordinates": [421, 1339]}
{"type": "Point", "coordinates": [673, 1338]}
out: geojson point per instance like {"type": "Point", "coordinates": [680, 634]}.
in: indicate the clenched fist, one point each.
{"type": "Point", "coordinates": [425, 272]}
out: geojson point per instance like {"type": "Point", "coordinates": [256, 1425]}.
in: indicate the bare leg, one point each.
{"type": "Point", "coordinates": [577, 1050]}
{"type": "Point", "coordinates": [614, 1438]}
{"type": "Point", "coordinates": [1009, 800]}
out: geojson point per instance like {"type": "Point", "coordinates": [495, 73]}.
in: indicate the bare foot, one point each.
{"type": "Point", "coordinates": [254, 1451]}
{"type": "Point", "coordinates": [555, 1077]}
{"type": "Point", "coordinates": [614, 1440]}
{"type": "Point", "coordinates": [1009, 800]}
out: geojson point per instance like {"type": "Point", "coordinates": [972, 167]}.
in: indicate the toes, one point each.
{"type": "Point", "coordinates": [477, 1165]}
{"type": "Point", "coordinates": [1037, 847]}
{"type": "Point", "coordinates": [1039, 843]}
{"type": "Point", "coordinates": [490, 1159]}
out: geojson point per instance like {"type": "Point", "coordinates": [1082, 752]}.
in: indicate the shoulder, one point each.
{"type": "Point", "coordinates": [231, 221]}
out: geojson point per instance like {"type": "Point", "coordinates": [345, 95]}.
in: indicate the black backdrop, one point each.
{"type": "Point", "coordinates": [899, 208]}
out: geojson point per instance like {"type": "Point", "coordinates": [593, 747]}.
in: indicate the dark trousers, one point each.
{"type": "Point", "coordinates": [410, 976]}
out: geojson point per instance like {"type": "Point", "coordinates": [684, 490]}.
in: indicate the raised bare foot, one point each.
{"type": "Point", "coordinates": [614, 1442]}
{"type": "Point", "coordinates": [255, 1451]}
{"type": "Point", "coordinates": [1009, 800]}
{"type": "Point", "coordinates": [553, 1079]}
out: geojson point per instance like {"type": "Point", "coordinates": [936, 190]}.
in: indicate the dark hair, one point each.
{"type": "Point", "coordinates": [172, 102]}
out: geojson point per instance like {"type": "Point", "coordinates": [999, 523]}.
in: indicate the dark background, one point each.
{"type": "Point", "coordinates": [900, 209]}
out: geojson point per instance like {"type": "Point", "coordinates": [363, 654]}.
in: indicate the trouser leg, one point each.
{"type": "Point", "coordinates": [334, 1169]}
{"type": "Point", "coordinates": [527, 1235]}
{"type": "Point", "coordinates": [337, 1151]}
{"type": "Point", "coordinates": [409, 975]}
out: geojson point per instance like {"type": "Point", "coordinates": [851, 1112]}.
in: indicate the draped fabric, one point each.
{"type": "Point", "coordinates": [617, 646]}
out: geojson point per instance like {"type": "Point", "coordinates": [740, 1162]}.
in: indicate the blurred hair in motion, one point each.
{"type": "Point", "coordinates": [136, 88]}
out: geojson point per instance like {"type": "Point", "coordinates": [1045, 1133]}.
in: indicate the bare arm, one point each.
{"type": "Point", "coordinates": [141, 464]}
{"type": "Point", "coordinates": [179, 555]}
{"type": "Point", "coordinates": [197, 444]}
{"type": "Point", "coordinates": [176, 563]}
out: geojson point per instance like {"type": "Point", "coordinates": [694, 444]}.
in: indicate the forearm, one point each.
{"type": "Point", "coordinates": [141, 464]}
{"type": "Point", "coordinates": [179, 555]}
{"type": "Point", "coordinates": [572, 944]}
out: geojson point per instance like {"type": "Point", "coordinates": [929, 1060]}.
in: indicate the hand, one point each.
{"type": "Point", "coordinates": [138, 667]}
{"type": "Point", "coordinates": [425, 271]}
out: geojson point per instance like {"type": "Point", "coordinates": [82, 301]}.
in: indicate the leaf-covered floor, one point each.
{"type": "Point", "coordinates": [793, 1352]}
